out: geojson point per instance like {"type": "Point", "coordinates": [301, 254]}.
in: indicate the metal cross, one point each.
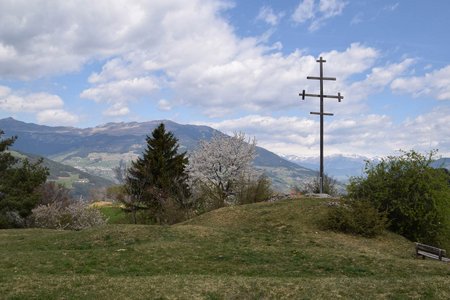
{"type": "Point", "coordinates": [321, 113]}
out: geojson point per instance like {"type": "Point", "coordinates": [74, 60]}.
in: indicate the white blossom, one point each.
{"type": "Point", "coordinates": [222, 162]}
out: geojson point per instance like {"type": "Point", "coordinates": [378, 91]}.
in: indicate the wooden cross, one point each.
{"type": "Point", "coordinates": [321, 78]}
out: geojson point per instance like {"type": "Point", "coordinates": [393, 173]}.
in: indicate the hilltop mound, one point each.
{"type": "Point", "coordinates": [257, 251]}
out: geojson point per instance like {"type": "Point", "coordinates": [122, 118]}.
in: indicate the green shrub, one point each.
{"type": "Point", "coordinates": [354, 216]}
{"type": "Point", "coordinates": [415, 196]}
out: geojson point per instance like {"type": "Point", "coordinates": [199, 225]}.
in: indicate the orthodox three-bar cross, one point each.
{"type": "Point", "coordinates": [321, 113]}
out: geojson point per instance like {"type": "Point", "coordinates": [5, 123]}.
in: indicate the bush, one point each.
{"type": "Point", "coordinates": [254, 191]}
{"type": "Point", "coordinates": [75, 216]}
{"type": "Point", "coordinates": [11, 219]}
{"type": "Point", "coordinates": [52, 192]}
{"type": "Point", "coordinates": [354, 216]}
{"type": "Point", "coordinates": [206, 197]}
{"type": "Point", "coordinates": [171, 212]}
{"type": "Point", "coordinates": [313, 186]}
{"type": "Point", "coordinates": [415, 196]}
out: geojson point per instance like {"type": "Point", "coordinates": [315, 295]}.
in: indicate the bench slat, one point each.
{"type": "Point", "coordinates": [430, 251]}
{"type": "Point", "coordinates": [427, 254]}
{"type": "Point", "coordinates": [429, 248]}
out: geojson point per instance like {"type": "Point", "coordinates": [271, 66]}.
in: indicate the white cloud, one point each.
{"type": "Point", "coordinates": [331, 8]}
{"type": "Point", "coordinates": [300, 136]}
{"type": "Point", "coordinates": [13, 101]}
{"type": "Point", "coordinates": [265, 82]}
{"type": "Point", "coordinates": [317, 12]}
{"type": "Point", "coordinates": [355, 59]}
{"type": "Point", "coordinates": [242, 76]}
{"type": "Point", "coordinates": [430, 130]}
{"type": "Point", "coordinates": [375, 82]}
{"type": "Point", "coordinates": [121, 90]}
{"type": "Point", "coordinates": [163, 104]}
{"type": "Point", "coordinates": [56, 117]}
{"type": "Point", "coordinates": [358, 18]}
{"type": "Point", "coordinates": [304, 11]}
{"type": "Point", "coordinates": [365, 134]}
{"type": "Point", "coordinates": [267, 15]}
{"type": "Point", "coordinates": [391, 7]}
{"type": "Point", "coordinates": [47, 107]}
{"type": "Point", "coordinates": [117, 110]}
{"type": "Point", "coordinates": [435, 84]}
{"type": "Point", "coordinates": [43, 37]}
{"type": "Point", "coordinates": [51, 37]}
{"type": "Point", "coordinates": [191, 50]}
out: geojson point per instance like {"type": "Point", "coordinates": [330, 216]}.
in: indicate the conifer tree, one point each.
{"type": "Point", "coordinates": [6, 159]}
{"type": "Point", "coordinates": [159, 177]}
{"type": "Point", "coordinates": [19, 180]}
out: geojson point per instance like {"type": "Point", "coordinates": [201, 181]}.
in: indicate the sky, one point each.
{"type": "Point", "coordinates": [237, 66]}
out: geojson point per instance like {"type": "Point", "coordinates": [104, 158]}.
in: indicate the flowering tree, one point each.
{"type": "Point", "coordinates": [219, 165]}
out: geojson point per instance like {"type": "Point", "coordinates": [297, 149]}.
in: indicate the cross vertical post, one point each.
{"type": "Point", "coordinates": [321, 78]}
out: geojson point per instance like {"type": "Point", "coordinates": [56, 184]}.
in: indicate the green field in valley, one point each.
{"type": "Point", "coordinates": [257, 251]}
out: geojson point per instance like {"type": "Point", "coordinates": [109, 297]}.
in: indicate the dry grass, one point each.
{"type": "Point", "coordinates": [99, 204]}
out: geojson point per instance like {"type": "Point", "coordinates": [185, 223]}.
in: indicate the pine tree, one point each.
{"type": "Point", "coordinates": [6, 159]}
{"type": "Point", "coordinates": [19, 180]}
{"type": "Point", "coordinates": [158, 178]}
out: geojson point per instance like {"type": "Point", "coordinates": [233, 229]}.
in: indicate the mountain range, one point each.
{"type": "Point", "coordinates": [343, 167]}
{"type": "Point", "coordinates": [340, 167]}
{"type": "Point", "coordinates": [98, 150]}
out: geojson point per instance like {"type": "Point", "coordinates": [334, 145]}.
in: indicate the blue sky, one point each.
{"type": "Point", "coordinates": [236, 66]}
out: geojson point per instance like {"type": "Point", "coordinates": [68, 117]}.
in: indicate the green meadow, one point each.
{"type": "Point", "coordinates": [257, 251]}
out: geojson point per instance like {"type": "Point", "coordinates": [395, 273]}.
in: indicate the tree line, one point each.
{"type": "Point", "coordinates": [165, 186]}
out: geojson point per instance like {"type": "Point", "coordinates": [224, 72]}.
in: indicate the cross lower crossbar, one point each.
{"type": "Point", "coordinates": [321, 78]}
{"type": "Point", "coordinates": [318, 113]}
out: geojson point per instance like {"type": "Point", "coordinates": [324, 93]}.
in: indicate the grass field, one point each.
{"type": "Point", "coordinates": [258, 251]}
{"type": "Point", "coordinates": [115, 214]}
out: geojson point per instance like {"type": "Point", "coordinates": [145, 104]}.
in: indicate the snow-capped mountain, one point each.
{"type": "Point", "coordinates": [340, 167]}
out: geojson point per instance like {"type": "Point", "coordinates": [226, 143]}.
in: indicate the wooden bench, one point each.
{"type": "Point", "coordinates": [431, 252]}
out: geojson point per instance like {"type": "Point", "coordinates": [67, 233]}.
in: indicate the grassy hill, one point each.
{"type": "Point", "coordinates": [258, 251]}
